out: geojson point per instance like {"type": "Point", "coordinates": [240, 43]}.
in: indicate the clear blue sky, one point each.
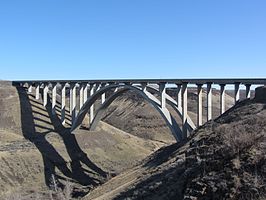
{"type": "Point", "coordinates": [83, 39]}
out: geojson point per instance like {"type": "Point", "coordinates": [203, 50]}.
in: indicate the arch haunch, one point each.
{"type": "Point", "coordinates": [163, 111]}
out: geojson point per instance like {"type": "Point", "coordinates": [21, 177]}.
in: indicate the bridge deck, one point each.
{"type": "Point", "coordinates": [220, 81]}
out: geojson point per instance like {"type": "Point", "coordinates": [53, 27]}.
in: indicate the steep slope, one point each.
{"type": "Point", "coordinates": [224, 159]}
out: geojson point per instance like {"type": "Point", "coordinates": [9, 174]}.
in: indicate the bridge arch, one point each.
{"type": "Point", "coordinates": [149, 97]}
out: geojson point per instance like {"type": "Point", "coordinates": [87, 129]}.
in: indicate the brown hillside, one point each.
{"type": "Point", "coordinates": [225, 159]}
{"type": "Point", "coordinates": [34, 147]}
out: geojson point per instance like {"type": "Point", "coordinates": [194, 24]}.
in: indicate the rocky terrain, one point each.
{"type": "Point", "coordinates": [224, 159]}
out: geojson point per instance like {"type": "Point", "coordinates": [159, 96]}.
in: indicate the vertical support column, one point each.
{"type": "Point", "coordinates": [103, 95]}
{"type": "Point", "coordinates": [199, 117]}
{"type": "Point", "coordinates": [54, 99]}
{"type": "Point", "coordinates": [237, 93]}
{"type": "Point", "coordinates": [85, 93]}
{"type": "Point", "coordinates": [248, 91]}
{"type": "Point", "coordinates": [144, 86]}
{"type": "Point", "coordinates": [81, 95]}
{"type": "Point", "coordinates": [45, 94]}
{"type": "Point", "coordinates": [92, 88]}
{"type": "Point", "coordinates": [209, 101]}
{"type": "Point", "coordinates": [162, 90]}
{"type": "Point", "coordinates": [30, 88]}
{"type": "Point", "coordinates": [184, 111]}
{"type": "Point", "coordinates": [63, 103]}
{"type": "Point", "coordinates": [37, 92]}
{"type": "Point", "coordinates": [179, 96]}
{"type": "Point", "coordinates": [73, 102]}
{"type": "Point", "coordinates": [116, 89]}
{"type": "Point", "coordinates": [222, 98]}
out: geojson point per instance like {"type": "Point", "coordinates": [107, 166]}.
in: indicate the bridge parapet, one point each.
{"type": "Point", "coordinates": [153, 90]}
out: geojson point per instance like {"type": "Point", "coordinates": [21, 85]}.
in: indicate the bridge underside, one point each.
{"type": "Point", "coordinates": [153, 91]}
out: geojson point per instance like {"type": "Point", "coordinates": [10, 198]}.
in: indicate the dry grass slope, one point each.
{"type": "Point", "coordinates": [225, 159]}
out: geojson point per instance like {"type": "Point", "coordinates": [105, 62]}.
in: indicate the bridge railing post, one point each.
{"type": "Point", "coordinates": [199, 106]}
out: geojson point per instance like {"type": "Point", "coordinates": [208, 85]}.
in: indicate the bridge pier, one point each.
{"type": "Point", "coordinates": [63, 103]}
{"type": "Point", "coordinates": [184, 111]}
{"type": "Point", "coordinates": [199, 108]}
{"type": "Point", "coordinates": [81, 95]}
{"type": "Point", "coordinates": [162, 90]}
{"type": "Point", "coordinates": [248, 91]}
{"type": "Point", "coordinates": [54, 98]}
{"type": "Point", "coordinates": [237, 93]}
{"type": "Point", "coordinates": [85, 93]}
{"type": "Point", "coordinates": [37, 92]}
{"type": "Point", "coordinates": [144, 87]}
{"type": "Point", "coordinates": [30, 88]}
{"type": "Point", "coordinates": [103, 95]}
{"type": "Point", "coordinates": [45, 94]}
{"type": "Point", "coordinates": [179, 95]}
{"type": "Point", "coordinates": [73, 102]}
{"type": "Point", "coordinates": [92, 88]}
{"type": "Point", "coordinates": [222, 98]}
{"type": "Point", "coordinates": [209, 101]}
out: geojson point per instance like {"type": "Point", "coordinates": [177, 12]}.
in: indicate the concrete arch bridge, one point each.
{"type": "Point", "coordinates": [153, 91]}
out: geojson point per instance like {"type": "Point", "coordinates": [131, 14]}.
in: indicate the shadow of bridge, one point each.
{"type": "Point", "coordinates": [39, 121]}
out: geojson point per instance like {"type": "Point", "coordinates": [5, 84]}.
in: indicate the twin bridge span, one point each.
{"type": "Point", "coordinates": [152, 90]}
